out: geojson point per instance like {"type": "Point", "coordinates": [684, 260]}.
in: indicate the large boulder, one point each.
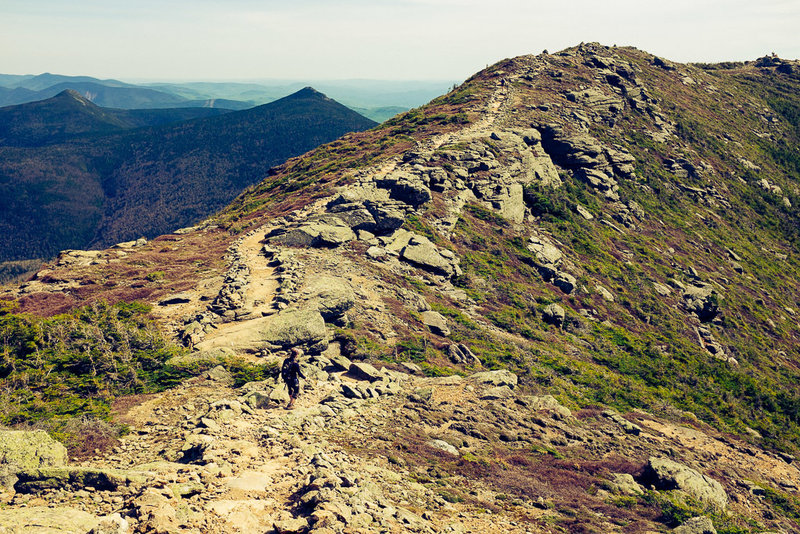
{"type": "Point", "coordinates": [572, 150]}
{"type": "Point", "coordinates": [332, 296]}
{"type": "Point", "coordinates": [667, 474]}
{"type": "Point", "coordinates": [327, 231]}
{"type": "Point", "coordinates": [293, 327]}
{"type": "Point", "coordinates": [61, 520]}
{"type": "Point", "coordinates": [364, 371]}
{"type": "Point", "coordinates": [75, 478]}
{"type": "Point", "coordinates": [436, 322]}
{"type": "Point", "coordinates": [30, 449]}
{"type": "Point", "coordinates": [422, 253]}
{"type": "Point", "coordinates": [504, 195]}
{"type": "Point", "coordinates": [353, 214]}
{"type": "Point", "coordinates": [389, 216]}
{"type": "Point", "coordinates": [501, 377]}
{"type": "Point", "coordinates": [406, 187]}
{"type": "Point", "coordinates": [545, 252]}
{"type": "Point", "coordinates": [554, 314]}
{"type": "Point", "coordinates": [696, 525]}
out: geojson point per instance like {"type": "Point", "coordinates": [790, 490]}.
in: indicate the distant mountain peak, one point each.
{"type": "Point", "coordinates": [307, 92]}
{"type": "Point", "coordinates": [71, 93]}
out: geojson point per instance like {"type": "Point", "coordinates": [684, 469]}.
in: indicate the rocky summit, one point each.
{"type": "Point", "coordinates": [560, 298]}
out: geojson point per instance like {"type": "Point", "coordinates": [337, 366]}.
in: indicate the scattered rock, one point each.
{"type": "Point", "coordinates": [364, 371]}
{"type": "Point", "coordinates": [443, 446]}
{"type": "Point", "coordinates": [702, 300]}
{"type": "Point", "coordinates": [436, 322]}
{"type": "Point", "coordinates": [565, 282]}
{"type": "Point", "coordinates": [461, 354]}
{"type": "Point", "coordinates": [554, 314]}
{"type": "Point", "coordinates": [625, 483]}
{"type": "Point", "coordinates": [605, 293]}
{"type": "Point", "coordinates": [696, 525]}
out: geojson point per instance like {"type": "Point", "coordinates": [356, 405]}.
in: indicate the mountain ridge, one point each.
{"type": "Point", "coordinates": [591, 256]}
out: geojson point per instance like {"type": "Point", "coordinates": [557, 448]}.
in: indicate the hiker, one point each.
{"type": "Point", "coordinates": [291, 374]}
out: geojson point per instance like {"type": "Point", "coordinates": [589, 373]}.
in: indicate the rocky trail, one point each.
{"type": "Point", "coordinates": [368, 450]}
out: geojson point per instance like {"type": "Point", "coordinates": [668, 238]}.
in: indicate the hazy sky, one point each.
{"type": "Point", "coordinates": [381, 39]}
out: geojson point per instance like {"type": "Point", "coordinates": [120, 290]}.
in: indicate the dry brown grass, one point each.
{"type": "Point", "coordinates": [166, 265]}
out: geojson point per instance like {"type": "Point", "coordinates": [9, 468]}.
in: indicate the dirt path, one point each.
{"type": "Point", "coordinates": [258, 295]}
{"type": "Point", "coordinates": [262, 284]}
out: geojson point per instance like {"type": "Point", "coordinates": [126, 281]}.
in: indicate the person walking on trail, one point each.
{"type": "Point", "coordinates": [291, 374]}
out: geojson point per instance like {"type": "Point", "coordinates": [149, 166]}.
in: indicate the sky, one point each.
{"type": "Point", "coordinates": [369, 39]}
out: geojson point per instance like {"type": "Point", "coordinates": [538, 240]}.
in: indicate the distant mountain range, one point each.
{"type": "Point", "coordinates": [378, 100]}
{"type": "Point", "coordinates": [73, 174]}
{"type": "Point", "coordinates": [68, 115]}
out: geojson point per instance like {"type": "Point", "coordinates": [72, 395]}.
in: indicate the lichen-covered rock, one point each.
{"type": "Point", "coordinates": [548, 403]}
{"type": "Point", "coordinates": [421, 252]}
{"type": "Point", "coordinates": [443, 446]}
{"type": "Point", "coordinates": [605, 293]}
{"type": "Point", "coordinates": [406, 187]}
{"type": "Point", "coordinates": [460, 353]}
{"type": "Point", "coordinates": [30, 449]}
{"type": "Point", "coordinates": [48, 478]}
{"type": "Point", "coordinates": [364, 371]}
{"type": "Point", "coordinates": [500, 377]}
{"type": "Point", "coordinates": [668, 475]}
{"type": "Point", "coordinates": [328, 231]}
{"type": "Point", "coordinates": [47, 520]}
{"type": "Point", "coordinates": [332, 296]}
{"type": "Point", "coordinates": [294, 327]}
{"type": "Point", "coordinates": [545, 252]}
{"type": "Point", "coordinates": [565, 282]}
{"type": "Point", "coordinates": [625, 483]}
{"type": "Point", "coordinates": [554, 314]}
{"type": "Point", "coordinates": [696, 525]}
{"type": "Point", "coordinates": [436, 322]}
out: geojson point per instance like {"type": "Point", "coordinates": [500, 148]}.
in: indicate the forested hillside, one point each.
{"type": "Point", "coordinates": [74, 175]}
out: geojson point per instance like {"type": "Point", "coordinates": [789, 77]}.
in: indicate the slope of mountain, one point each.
{"type": "Point", "coordinates": [68, 115]}
{"type": "Point", "coordinates": [131, 97]}
{"type": "Point", "coordinates": [560, 298]}
{"type": "Point", "coordinates": [199, 166]}
{"type": "Point", "coordinates": [54, 120]}
{"type": "Point", "coordinates": [106, 188]}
